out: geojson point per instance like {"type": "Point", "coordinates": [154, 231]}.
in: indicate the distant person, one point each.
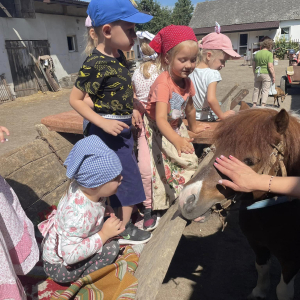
{"type": "Point", "coordinates": [215, 49]}
{"type": "Point", "coordinates": [18, 247]}
{"type": "Point", "coordinates": [264, 73]}
{"type": "Point", "coordinates": [106, 79]}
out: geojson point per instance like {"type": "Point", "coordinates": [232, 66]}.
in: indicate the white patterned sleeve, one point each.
{"type": "Point", "coordinates": [213, 76]}
{"type": "Point", "coordinates": [75, 243]}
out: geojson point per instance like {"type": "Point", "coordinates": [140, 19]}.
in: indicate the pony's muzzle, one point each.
{"type": "Point", "coordinates": [189, 203]}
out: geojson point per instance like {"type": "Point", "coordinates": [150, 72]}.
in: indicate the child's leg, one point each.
{"type": "Point", "coordinates": [125, 214]}
{"type": "Point", "coordinates": [63, 274]}
{"type": "Point", "coordinates": [145, 167]}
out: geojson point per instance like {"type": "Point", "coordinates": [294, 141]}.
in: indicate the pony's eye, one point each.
{"type": "Point", "coordinates": [249, 161]}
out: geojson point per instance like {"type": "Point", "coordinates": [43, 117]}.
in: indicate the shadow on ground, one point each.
{"type": "Point", "coordinates": [219, 266]}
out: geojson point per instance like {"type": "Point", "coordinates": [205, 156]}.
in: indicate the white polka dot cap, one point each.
{"type": "Point", "coordinates": [91, 163]}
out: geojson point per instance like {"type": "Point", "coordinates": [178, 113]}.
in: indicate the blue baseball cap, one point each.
{"type": "Point", "coordinates": [107, 11]}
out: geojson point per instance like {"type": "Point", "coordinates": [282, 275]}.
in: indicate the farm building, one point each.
{"type": "Point", "coordinates": [32, 28]}
{"type": "Point", "coordinates": [246, 22]}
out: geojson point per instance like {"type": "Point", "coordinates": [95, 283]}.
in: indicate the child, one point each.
{"type": "Point", "coordinates": [19, 251]}
{"type": "Point", "coordinates": [215, 49]}
{"type": "Point", "coordinates": [172, 154]}
{"type": "Point", "coordinates": [76, 235]}
{"type": "Point", "coordinates": [105, 78]}
{"type": "Point", "coordinates": [142, 79]}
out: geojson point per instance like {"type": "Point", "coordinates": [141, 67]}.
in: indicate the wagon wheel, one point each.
{"type": "Point", "coordinates": [283, 84]}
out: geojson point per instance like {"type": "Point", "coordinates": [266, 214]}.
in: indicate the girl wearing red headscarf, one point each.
{"type": "Point", "coordinates": [173, 158]}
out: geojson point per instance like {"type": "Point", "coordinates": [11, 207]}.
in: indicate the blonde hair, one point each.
{"type": "Point", "coordinates": [170, 55]}
{"type": "Point", "coordinates": [203, 54]}
{"type": "Point", "coordinates": [147, 50]}
{"type": "Point", "coordinates": [90, 42]}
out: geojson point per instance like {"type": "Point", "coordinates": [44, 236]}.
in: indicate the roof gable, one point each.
{"type": "Point", "coordinates": [228, 12]}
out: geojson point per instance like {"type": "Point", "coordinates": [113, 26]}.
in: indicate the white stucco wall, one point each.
{"type": "Point", "coordinates": [55, 29]}
{"type": "Point", "coordinates": [294, 26]}
{"type": "Point", "coordinates": [253, 36]}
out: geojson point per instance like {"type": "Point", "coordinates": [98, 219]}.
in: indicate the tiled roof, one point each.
{"type": "Point", "coordinates": [229, 12]}
{"type": "Point", "coordinates": [68, 2]}
{"type": "Point", "coordinates": [239, 27]}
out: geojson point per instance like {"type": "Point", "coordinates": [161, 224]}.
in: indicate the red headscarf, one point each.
{"type": "Point", "coordinates": [170, 36]}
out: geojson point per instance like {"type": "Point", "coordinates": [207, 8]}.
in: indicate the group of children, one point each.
{"type": "Point", "coordinates": [85, 233]}
{"type": "Point", "coordinates": [177, 79]}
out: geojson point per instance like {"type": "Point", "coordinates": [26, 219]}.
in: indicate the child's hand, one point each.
{"type": "Point", "coordinates": [184, 145]}
{"type": "Point", "coordinates": [113, 127]}
{"type": "Point", "coordinates": [108, 211]}
{"type": "Point", "coordinates": [2, 131]}
{"type": "Point", "coordinates": [227, 114]}
{"type": "Point", "coordinates": [137, 118]}
{"type": "Point", "coordinates": [110, 228]}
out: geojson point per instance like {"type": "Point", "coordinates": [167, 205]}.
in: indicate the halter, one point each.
{"type": "Point", "coordinates": [272, 168]}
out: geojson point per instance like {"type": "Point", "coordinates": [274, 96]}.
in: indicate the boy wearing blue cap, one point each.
{"type": "Point", "coordinates": [106, 79]}
{"type": "Point", "coordinates": [76, 235]}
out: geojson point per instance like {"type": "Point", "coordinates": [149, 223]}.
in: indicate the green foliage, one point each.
{"type": "Point", "coordinates": [282, 45]}
{"type": "Point", "coordinates": [161, 16]}
{"type": "Point", "coordinates": [182, 12]}
{"type": "Point", "coordinates": [164, 16]}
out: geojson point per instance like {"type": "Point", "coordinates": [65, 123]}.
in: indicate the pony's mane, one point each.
{"type": "Point", "coordinates": [253, 131]}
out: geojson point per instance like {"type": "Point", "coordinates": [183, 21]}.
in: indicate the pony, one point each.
{"type": "Point", "coordinates": [269, 142]}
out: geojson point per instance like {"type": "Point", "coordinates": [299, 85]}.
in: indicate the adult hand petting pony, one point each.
{"type": "Point", "coordinates": [244, 179]}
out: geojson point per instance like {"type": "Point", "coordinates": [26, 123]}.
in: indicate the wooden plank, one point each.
{"type": "Point", "coordinates": [70, 122]}
{"type": "Point", "coordinates": [204, 137]}
{"type": "Point", "coordinates": [157, 255]}
{"type": "Point", "coordinates": [239, 97]}
{"type": "Point", "coordinates": [5, 10]}
{"type": "Point", "coordinates": [229, 93]}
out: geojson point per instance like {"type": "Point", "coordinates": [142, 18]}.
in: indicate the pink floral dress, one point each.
{"type": "Point", "coordinates": [74, 234]}
{"type": "Point", "coordinates": [18, 248]}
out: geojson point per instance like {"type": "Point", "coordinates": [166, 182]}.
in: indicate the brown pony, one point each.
{"type": "Point", "coordinates": [267, 141]}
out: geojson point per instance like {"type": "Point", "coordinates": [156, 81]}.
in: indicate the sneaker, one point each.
{"type": "Point", "coordinates": [150, 220]}
{"type": "Point", "coordinates": [133, 235]}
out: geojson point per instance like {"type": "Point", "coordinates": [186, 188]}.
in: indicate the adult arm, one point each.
{"type": "Point", "coordinates": [244, 179]}
{"type": "Point", "coordinates": [253, 66]}
{"type": "Point", "coordinates": [272, 71]}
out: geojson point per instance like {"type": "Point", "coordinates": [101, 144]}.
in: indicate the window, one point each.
{"type": "Point", "coordinates": [260, 38]}
{"type": "Point", "coordinates": [72, 45]}
{"type": "Point", "coordinates": [132, 54]}
{"type": "Point", "coordinates": [285, 33]}
{"type": "Point", "coordinates": [128, 55]}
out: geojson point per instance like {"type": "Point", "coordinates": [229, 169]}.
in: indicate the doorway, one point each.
{"type": "Point", "coordinates": [243, 44]}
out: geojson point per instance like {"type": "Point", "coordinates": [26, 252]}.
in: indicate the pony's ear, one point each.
{"type": "Point", "coordinates": [282, 121]}
{"type": "Point", "coordinates": [244, 105]}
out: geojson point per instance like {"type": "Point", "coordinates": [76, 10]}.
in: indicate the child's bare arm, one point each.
{"type": "Point", "coordinates": [214, 104]}
{"type": "Point", "coordinates": [112, 127]}
{"type": "Point", "coordinates": [181, 144]}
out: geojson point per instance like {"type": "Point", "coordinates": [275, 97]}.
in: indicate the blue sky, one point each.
{"type": "Point", "coordinates": [169, 2]}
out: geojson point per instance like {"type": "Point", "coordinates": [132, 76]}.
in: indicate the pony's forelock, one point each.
{"type": "Point", "coordinates": [254, 131]}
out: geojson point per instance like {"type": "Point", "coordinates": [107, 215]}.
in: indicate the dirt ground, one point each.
{"type": "Point", "coordinates": [208, 264]}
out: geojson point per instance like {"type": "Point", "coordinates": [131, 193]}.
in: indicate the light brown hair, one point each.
{"type": "Point", "coordinates": [267, 43]}
{"type": "Point", "coordinates": [91, 43]}
{"type": "Point", "coordinates": [147, 50]}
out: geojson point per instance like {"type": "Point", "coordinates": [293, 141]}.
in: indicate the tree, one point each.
{"type": "Point", "coordinates": [182, 12]}
{"type": "Point", "coordinates": [162, 16]}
